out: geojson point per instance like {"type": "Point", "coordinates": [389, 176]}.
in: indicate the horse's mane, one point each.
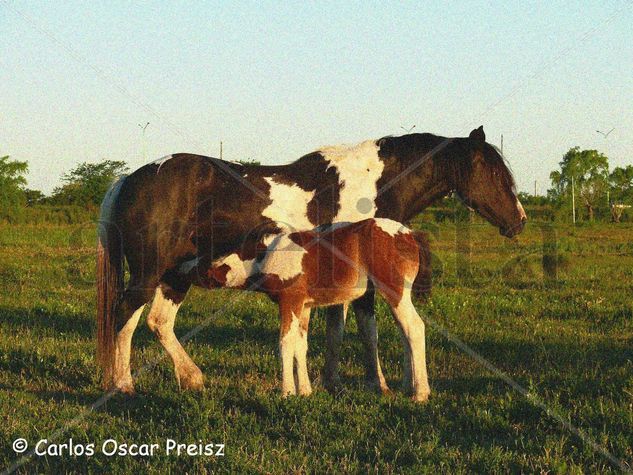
{"type": "Point", "coordinates": [450, 156]}
{"type": "Point", "coordinates": [499, 165]}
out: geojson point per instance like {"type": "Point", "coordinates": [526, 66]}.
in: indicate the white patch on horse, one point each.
{"type": "Point", "coordinates": [160, 161]}
{"type": "Point", "coordinates": [359, 169]}
{"type": "Point", "coordinates": [268, 239]}
{"type": "Point", "coordinates": [283, 258]}
{"type": "Point", "coordinates": [239, 270]}
{"type": "Point", "coordinates": [289, 206]}
{"type": "Point", "coordinates": [391, 227]}
{"type": "Point", "coordinates": [521, 210]}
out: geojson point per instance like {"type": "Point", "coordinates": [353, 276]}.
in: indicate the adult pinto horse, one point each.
{"type": "Point", "coordinates": [186, 210]}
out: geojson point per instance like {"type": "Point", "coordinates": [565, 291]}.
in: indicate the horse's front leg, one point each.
{"type": "Point", "coordinates": [335, 325]}
{"type": "Point", "coordinates": [366, 321]}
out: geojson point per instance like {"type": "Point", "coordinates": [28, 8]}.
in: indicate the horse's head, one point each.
{"type": "Point", "coordinates": [488, 186]}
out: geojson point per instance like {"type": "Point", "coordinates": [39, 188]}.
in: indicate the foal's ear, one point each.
{"type": "Point", "coordinates": [478, 134]}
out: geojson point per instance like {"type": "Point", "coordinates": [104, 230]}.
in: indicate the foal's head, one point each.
{"type": "Point", "coordinates": [484, 182]}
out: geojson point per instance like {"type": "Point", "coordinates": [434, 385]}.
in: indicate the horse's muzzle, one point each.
{"type": "Point", "coordinates": [514, 230]}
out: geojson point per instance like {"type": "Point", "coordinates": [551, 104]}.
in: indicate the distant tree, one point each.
{"type": "Point", "coordinates": [589, 170]}
{"type": "Point", "coordinates": [621, 184]}
{"type": "Point", "coordinates": [87, 183]}
{"type": "Point", "coordinates": [12, 184]}
{"type": "Point", "coordinates": [33, 197]}
{"type": "Point", "coordinates": [528, 199]}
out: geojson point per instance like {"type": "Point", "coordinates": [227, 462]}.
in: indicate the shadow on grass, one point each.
{"type": "Point", "coordinates": [48, 321]}
{"type": "Point", "coordinates": [35, 366]}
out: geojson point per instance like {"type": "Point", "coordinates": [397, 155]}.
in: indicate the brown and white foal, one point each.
{"type": "Point", "coordinates": [306, 269]}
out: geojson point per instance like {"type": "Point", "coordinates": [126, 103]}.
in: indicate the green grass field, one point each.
{"type": "Point", "coordinates": [565, 336]}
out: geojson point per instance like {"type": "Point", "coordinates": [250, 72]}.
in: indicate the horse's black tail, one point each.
{"type": "Point", "coordinates": [422, 283]}
{"type": "Point", "coordinates": [109, 278]}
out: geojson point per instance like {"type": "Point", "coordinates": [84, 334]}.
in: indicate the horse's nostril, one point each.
{"type": "Point", "coordinates": [523, 219]}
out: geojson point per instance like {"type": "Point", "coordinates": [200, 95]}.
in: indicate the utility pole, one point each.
{"type": "Point", "coordinates": [535, 188]}
{"type": "Point", "coordinates": [501, 144]}
{"type": "Point", "coordinates": [573, 201]}
{"type": "Point", "coordinates": [220, 150]}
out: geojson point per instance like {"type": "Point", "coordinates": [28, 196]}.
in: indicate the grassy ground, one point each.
{"type": "Point", "coordinates": [565, 336]}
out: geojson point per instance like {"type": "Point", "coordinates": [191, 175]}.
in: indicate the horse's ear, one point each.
{"type": "Point", "coordinates": [478, 134]}
{"type": "Point", "coordinates": [385, 147]}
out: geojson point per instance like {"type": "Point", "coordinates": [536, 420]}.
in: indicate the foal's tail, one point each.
{"type": "Point", "coordinates": [423, 282]}
{"type": "Point", "coordinates": [109, 280]}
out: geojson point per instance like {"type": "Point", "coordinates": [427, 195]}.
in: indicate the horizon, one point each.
{"type": "Point", "coordinates": [277, 82]}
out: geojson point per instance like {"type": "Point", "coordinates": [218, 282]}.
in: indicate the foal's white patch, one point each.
{"type": "Point", "coordinates": [289, 206]}
{"type": "Point", "coordinates": [391, 227]}
{"type": "Point", "coordinates": [293, 331]}
{"type": "Point", "coordinates": [239, 270]}
{"type": "Point", "coordinates": [359, 169]}
{"type": "Point", "coordinates": [283, 258]}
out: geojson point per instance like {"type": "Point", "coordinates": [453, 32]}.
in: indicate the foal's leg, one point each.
{"type": "Point", "coordinates": [407, 383]}
{"type": "Point", "coordinates": [335, 325]}
{"type": "Point", "coordinates": [161, 320]}
{"type": "Point", "coordinates": [303, 379]}
{"type": "Point", "coordinates": [289, 336]}
{"type": "Point", "coordinates": [366, 321]}
{"type": "Point", "coordinates": [412, 328]}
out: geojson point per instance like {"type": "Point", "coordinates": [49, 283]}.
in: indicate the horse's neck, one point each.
{"type": "Point", "coordinates": [414, 188]}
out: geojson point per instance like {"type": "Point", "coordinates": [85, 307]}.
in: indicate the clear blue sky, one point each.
{"type": "Point", "coordinates": [277, 80]}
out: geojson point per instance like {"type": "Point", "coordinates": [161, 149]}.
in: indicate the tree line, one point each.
{"type": "Point", "coordinates": [582, 174]}
{"type": "Point", "coordinates": [585, 181]}
{"type": "Point", "coordinates": [82, 188]}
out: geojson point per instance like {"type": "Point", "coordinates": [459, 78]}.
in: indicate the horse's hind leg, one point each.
{"type": "Point", "coordinates": [161, 320]}
{"type": "Point", "coordinates": [128, 313]}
